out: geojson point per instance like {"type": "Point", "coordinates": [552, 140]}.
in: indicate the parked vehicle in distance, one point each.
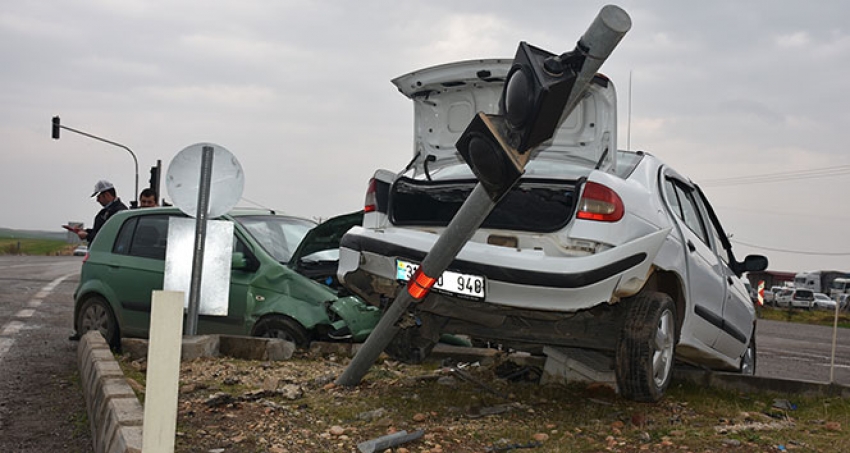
{"type": "Point", "coordinates": [823, 302]}
{"type": "Point", "coordinates": [796, 298]}
{"type": "Point", "coordinates": [839, 287]}
{"type": "Point", "coordinates": [267, 297]}
{"type": "Point", "coordinates": [81, 250]}
{"type": "Point", "coordinates": [770, 294]}
{"type": "Point", "coordinates": [613, 252]}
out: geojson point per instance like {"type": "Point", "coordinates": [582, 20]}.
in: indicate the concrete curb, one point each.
{"type": "Point", "coordinates": [115, 414]}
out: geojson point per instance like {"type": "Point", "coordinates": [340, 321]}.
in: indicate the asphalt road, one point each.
{"type": "Point", "coordinates": [802, 352]}
{"type": "Point", "coordinates": [41, 401]}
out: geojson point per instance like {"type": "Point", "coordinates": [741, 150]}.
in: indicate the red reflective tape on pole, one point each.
{"type": "Point", "coordinates": [420, 284]}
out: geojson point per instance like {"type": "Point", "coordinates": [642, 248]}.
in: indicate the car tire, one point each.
{"type": "Point", "coordinates": [96, 314]}
{"type": "Point", "coordinates": [748, 360]}
{"type": "Point", "coordinates": [645, 351]}
{"type": "Point", "coordinates": [284, 328]}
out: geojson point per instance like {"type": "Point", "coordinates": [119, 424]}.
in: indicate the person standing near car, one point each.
{"type": "Point", "coordinates": [105, 193]}
{"type": "Point", "coordinates": [148, 198]}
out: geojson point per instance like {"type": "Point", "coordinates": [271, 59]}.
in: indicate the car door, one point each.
{"type": "Point", "coordinates": [705, 278]}
{"type": "Point", "coordinates": [738, 310]}
{"type": "Point", "coordinates": [137, 269]}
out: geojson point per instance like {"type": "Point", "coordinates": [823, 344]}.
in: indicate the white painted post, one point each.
{"type": "Point", "coordinates": [163, 376]}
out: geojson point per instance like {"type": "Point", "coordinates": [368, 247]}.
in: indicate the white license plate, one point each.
{"type": "Point", "coordinates": [464, 285]}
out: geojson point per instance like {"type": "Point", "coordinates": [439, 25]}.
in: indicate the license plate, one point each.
{"type": "Point", "coordinates": [463, 285]}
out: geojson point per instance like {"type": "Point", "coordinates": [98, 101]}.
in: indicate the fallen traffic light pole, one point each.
{"type": "Point", "coordinates": [541, 90]}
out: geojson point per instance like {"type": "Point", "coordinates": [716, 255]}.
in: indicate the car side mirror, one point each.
{"type": "Point", "coordinates": [752, 263]}
{"type": "Point", "coordinates": [238, 261]}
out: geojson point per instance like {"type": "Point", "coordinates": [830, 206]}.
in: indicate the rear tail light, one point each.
{"type": "Point", "coordinates": [371, 203]}
{"type": "Point", "coordinates": [600, 203]}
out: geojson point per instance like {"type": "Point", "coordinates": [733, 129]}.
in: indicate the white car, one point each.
{"type": "Point", "coordinates": [609, 251]}
{"type": "Point", "coordinates": [823, 302]}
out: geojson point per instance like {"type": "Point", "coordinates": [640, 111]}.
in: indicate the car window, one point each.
{"type": "Point", "coordinates": [687, 209]}
{"type": "Point", "coordinates": [278, 235]}
{"type": "Point", "coordinates": [125, 235]}
{"type": "Point", "coordinates": [149, 237]}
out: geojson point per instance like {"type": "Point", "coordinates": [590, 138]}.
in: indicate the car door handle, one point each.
{"type": "Point", "coordinates": [691, 246]}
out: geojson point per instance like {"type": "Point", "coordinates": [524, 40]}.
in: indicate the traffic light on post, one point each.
{"type": "Point", "coordinates": [536, 91]}
{"type": "Point", "coordinates": [535, 94]}
{"type": "Point", "coordinates": [56, 128]}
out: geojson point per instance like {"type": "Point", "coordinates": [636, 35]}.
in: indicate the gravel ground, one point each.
{"type": "Point", "coordinates": [235, 406]}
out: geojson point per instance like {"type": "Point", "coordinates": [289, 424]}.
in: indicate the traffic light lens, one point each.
{"type": "Point", "coordinates": [487, 161]}
{"type": "Point", "coordinates": [518, 97]}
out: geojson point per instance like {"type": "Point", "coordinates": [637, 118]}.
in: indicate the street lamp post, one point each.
{"type": "Point", "coordinates": [57, 126]}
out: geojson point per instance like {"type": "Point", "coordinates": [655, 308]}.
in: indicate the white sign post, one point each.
{"type": "Point", "coordinates": [212, 195]}
{"type": "Point", "coordinates": [163, 375]}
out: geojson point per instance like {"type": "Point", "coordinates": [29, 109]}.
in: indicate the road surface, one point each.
{"type": "Point", "coordinates": [41, 401]}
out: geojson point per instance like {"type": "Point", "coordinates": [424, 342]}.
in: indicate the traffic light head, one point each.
{"type": "Point", "coordinates": [56, 128]}
{"type": "Point", "coordinates": [496, 165]}
{"type": "Point", "coordinates": [535, 94]}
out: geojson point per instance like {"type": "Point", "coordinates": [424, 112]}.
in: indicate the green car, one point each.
{"type": "Point", "coordinates": [275, 291]}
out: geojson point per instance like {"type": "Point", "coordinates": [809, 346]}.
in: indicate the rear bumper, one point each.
{"type": "Point", "coordinates": [521, 279]}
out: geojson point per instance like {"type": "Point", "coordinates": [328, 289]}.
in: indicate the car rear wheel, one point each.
{"type": "Point", "coordinates": [645, 352]}
{"type": "Point", "coordinates": [96, 314]}
{"type": "Point", "coordinates": [284, 328]}
{"type": "Point", "coordinates": [748, 360]}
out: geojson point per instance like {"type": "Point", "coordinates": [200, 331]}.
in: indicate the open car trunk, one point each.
{"type": "Point", "coordinates": [536, 205]}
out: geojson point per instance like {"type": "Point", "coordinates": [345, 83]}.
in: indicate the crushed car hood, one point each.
{"type": "Point", "coordinates": [326, 235]}
{"type": "Point", "coordinates": [446, 97]}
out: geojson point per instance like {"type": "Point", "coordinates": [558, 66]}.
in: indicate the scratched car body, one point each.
{"type": "Point", "coordinates": [613, 253]}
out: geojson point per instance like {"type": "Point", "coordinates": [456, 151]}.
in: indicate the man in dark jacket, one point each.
{"type": "Point", "coordinates": [105, 192]}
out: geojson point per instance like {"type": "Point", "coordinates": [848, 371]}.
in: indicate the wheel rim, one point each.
{"type": "Point", "coordinates": [96, 318]}
{"type": "Point", "coordinates": [662, 355]}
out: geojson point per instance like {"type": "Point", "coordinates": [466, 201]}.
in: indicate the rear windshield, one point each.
{"type": "Point", "coordinates": [804, 294]}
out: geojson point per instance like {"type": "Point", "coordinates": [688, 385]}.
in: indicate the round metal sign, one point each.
{"type": "Point", "coordinates": [183, 180]}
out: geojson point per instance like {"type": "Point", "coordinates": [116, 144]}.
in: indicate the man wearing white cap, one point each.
{"type": "Point", "coordinates": [105, 192]}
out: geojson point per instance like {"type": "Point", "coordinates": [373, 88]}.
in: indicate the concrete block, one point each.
{"type": "Point", "coordinates": [571, 364]}
{"type": "Point", "coordinates": [197, 346]}
{"type": "Point", "coordinates": [127, 439]}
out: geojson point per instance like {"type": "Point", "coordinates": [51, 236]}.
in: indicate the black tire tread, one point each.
{"type": "Point", "coordinates": [633, 367]}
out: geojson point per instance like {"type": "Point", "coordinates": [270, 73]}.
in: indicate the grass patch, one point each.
{"type": "Point", "coordinates": [28, 246]}
{"type": "Point", "coordinates": [797, 315]}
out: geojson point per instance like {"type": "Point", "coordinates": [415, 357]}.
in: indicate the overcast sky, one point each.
{"type": "Point", "coordinates": [300, 93]}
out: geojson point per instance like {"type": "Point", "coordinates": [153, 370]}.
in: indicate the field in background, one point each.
{"type": "Point", "coordinates": [26, 242]}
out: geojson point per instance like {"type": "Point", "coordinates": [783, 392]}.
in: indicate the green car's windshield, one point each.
{"type": "Point", "coordinates": [278, 235]}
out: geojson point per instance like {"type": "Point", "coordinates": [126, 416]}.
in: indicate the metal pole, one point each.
{"type": "Point", "coordinates": [135, 161]}
{"type": "Point", "coordinates": [462, 227]}
{"type": "Point", "coordinates": [200, 239]}
{"type": "Point", "coordinates": [834, 340]}
{"type": "Point", "coordinates": [599, 40]}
